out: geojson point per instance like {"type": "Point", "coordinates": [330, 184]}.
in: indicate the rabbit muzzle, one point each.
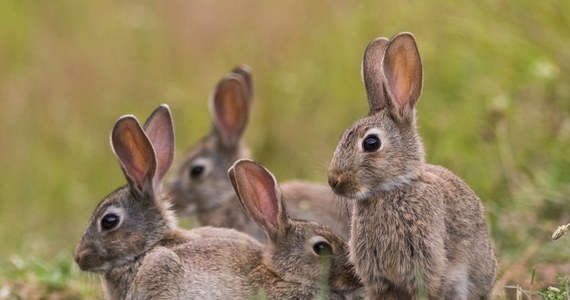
{"type": "Point", "coordinates": [83, 258]}
{"type": "Point", "coordinates": [340, 184]}
{"type": "Point", "coordinates": [88, 260]}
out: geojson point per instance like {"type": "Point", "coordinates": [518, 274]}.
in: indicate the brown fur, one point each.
{"type": "Point", "coordinates": [145, 255]}
{"type": "Point", "coordinates": [291, 257]}
{"type": "Point", "coordinates": [415, 227]}
{"type": "Point", "coordinates": [210, 196]}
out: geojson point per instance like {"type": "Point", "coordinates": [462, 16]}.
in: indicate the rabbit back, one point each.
{"type": "Point", "coordinates": [316, 202]}
{"type": "Point", "coordinates": [203, 268]}
{"type": "Point", "coordinates": [230, 214]}
{"type": "Point", "coordinates": [305, 201]}
{"type": "Point", "coordinates": [469, 241]}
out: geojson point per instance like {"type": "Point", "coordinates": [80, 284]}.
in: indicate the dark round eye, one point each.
{"type": "Point", "coordinates": [196, 171]}
{"type": "Point", "coordinates": [371, 143]}
{"type": "Point", "coordinates": [109, 221]}
{"type": "Point", "coordinates": [322, 248]}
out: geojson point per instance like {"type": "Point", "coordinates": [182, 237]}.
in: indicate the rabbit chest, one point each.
{"type": "Point", "coordinates": [399, 234]}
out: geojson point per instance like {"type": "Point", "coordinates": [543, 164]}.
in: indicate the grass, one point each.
{"type": "Point", "coordinates": [34, 278]}
{"type": "Point", "coordinates": [495, 107]}
{"type": "Point", "coordinates": [558, 292]}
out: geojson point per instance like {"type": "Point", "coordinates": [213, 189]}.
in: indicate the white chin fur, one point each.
{"type": "Point", "coordinates": [388, 185]}
{"type": "Point", "coordinates": [394, 183]}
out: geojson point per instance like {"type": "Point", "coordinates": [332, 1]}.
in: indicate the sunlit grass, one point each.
{"type": "Point", "coordinates": [34, 278]}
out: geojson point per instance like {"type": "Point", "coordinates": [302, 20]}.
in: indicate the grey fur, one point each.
{"type": "Point", "coordinates": [210, 196]}
{"type": "Point", "coordinates": [146, 256]}
{"type": "Point", "coordinates": [415, 226]}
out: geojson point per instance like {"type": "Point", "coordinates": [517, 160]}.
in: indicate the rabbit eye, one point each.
{"type": "Point", "coordinates": [196, 171]}
{"type": "Point", "coordinates": [109, 221]}
{"type": "Point", "coordinates": [371, 143]}
{"type": "Point", "coordinates": [322, 248]}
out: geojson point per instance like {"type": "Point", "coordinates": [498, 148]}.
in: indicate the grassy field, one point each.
{"type": "Point", "coordinates": [495, 109]}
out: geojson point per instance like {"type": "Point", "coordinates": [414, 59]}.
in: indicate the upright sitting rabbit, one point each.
{"type": "Point", "coordinates": [415, 227]}
{"type": "Point", "coordinates": [133, 242]}
{"type": "Point", "coordinates": [200, 185]}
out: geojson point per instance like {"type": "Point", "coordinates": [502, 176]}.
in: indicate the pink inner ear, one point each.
{"type": "Point", "coordinates": [137, 157]}
{"type": "Point", "coordinates": [400, 82]}
{"type": "Point", "coordinates": [133, 150]}
{"type": "Point", "coordinates": [162, 145]}
{"type": "Point", "coordinates": [160, 131]}
{"type": "Point", "coordinates": [231, 110]}
{"type": "Point", "coordinates": [260, 190]}
{"type": "Point", "coordinates": [403, 71]}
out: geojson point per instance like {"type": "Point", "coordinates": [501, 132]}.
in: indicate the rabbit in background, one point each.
{"type": "Point", "coordinates": [133, 242]}
{"type": "Point", "coordinates": [416, 228]}
{"type": "Point", "coordinates": [200, 186]}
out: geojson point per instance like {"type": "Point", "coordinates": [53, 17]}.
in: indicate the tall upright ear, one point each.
{"type": "Point", "coordinates": [134, 151]}
{"type": "Point", "coordinates": [245, 72]}
{"type": "Point", "coordinates": [160, 131]}
{"type": "Point", "coordinates": [372, 73]}
{"type": "Point", "coordinates": [402, 70]}
{"type": "Point", "coordinates": [259, 194]}
{"type": "Point", "coordinates": [229, 106]}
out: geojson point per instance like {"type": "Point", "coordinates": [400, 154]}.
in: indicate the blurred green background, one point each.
{"type": "Point", "coordinates": [495, 108]}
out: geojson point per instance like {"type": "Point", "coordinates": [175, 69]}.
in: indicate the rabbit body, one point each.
{"type": "Point", "coordinates": [304, 200]}
{"type": "Point", "coordinates": [133, 241]}
{"type": "Point", "coordinates": [222, 263]}
{"type": "Point", "coordinates": [200, 185]}
{"type": "Point", "coordinates": [416, 228]}
{"type": "Point", "coordinates": [193, 271]}
{"type": "Point", "coordinates": [198, 266]}
{"type": "Point", "coordinates": [415, 236]}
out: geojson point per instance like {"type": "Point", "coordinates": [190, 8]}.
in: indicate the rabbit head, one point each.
{"type": "Point", "coordinates": [201, 183]}
{"type": "Point", "coordinates": [298, 251]}
{"type": "Point", "coordinates": [383, 149]}
{"type": "Point", "coordinates": [133, 218]}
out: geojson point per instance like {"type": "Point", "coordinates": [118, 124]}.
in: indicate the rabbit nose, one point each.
{"type": "Point", "coordinates": [79, 256]}
{"type": "Point", "coordinates": [334, 177]}
{"type": "Point", "coordinates": [333, 181]}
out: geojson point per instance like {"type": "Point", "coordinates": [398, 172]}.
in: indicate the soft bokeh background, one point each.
{"type": "Point", "coordinates": [495, 108]}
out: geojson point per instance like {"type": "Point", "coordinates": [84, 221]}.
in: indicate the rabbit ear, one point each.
{"type": "Point", "coordinates": [134, 151]}
{"type": "Point", "coordinates": [372, 73]}
{"type": "Point", "coordinates": [160, 131]}
{"type": "Point", "coordinates": [245, 72]}
{"type": "Point", "coordinates": [258, 192]}
{"type": "Point", "coordinates": [402, 71]}
{"type": "Point", "coordinates": [230, 108]}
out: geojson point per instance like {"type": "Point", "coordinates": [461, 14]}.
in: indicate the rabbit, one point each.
{"type": "Point", "coordinates": [133, 227]}
{"type": "Point", "coordinates": [133, 241]}
{"type": "Point", "coordinates": [200, 186]}
{"type": "Point", "coordinates": [416, 228]}
{"type": "Point", "coordinates": [298, 252]}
